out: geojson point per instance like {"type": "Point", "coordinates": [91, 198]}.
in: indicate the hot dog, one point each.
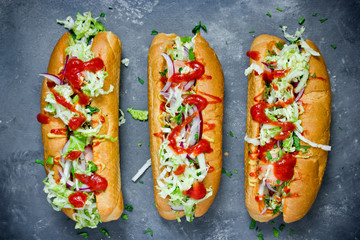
{"type": "Point", "coordinates": [288, 126]}
{"type": "Point", "coordinates": [185, 97]}
{"type": "Point", "coordinates": [79, 116]}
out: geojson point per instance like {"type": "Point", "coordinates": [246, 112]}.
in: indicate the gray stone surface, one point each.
{"type": "Point", "coordinates": [27, 36]}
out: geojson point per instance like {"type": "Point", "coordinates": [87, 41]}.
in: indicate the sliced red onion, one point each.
{"type": "Point", "coordinates": [186, 50]}
{"type": "Point", "coordinates": [61, 174]}
{"type": "Point", "coordinates": [263, 211]}
{"type": "Point", "coordinates": [170, 64]}
{"type": "Point", "coordinates": [179, 208]}
{"type": "Point", "coordinates": [52, 77]}
{"type": "Point", "coordinates": [188, 85]}
{"type": "Point", "coordinates": [269, 187]}
{"type": "Point", "coordinates": [66, 61]}
{"type": "Point", "coordinates": [299, 95]}
{"type": "Point", "coordinates": [70, 183]}
{"type": "Point", "coordinates": [166, 87]}
{"type": "Point", "coordinates": [268, 66]}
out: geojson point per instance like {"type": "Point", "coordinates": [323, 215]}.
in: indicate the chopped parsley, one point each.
{"type": "Point", "coordinates": [281, 227]}
{"type": "Point", "coordinates": [163, 73]}
{"type": "Point", "coordinates": [279, 45]}
{"type": "Point", "coordinates": [231, 133]}
{"type": "Point", "coordinates": [260, 237]}
{"type": "Point", "coordinates": [315, 14]}
{"type": "Point", "coordinates": [252, 32]}
{"type": "Point", "coordinates": [278, 181]}
{"type": "Point", "coordinates": [314, 75]}
{"type": "Point", "coordinates": [75, 99]}
{"type": "Point", "coordinates": [236, 171]}
{"type": "Point", "coordinates": [38, 161]}
{"type": "Point", "coordinates": [154, 32]}
{"type": "Point", "coordinates": [125, 217]}
{"type": "Point", "coordinates": [197, 28]}
{"type": "Point", "coordinates": [268, 154]}
{"type": "Point", "coordinates": [249, 150]}
{"type": "Point", "coordinates": [149, 230]}
{"type": "Point", "coordinates": [268, 14]}
{"type": "Point", "coordinates": [92, 166]}
{"type": "Point", "coordinates": [140, 144]}
{"type": "Point", "coordinates": [140, 80]}
{"type": "Point", "coordinates": [196, 135]}
{"type": "Point", "coordinates": [229, 174]}
{"type": "Point", "coordinates": [102, 14]}
{"type": "Point", "coordinates": [106, 233]}
{"type": "Point", "coordinates": [142, 182]}
{"type": "Point", "coordinates": [291, 231]}
{"type": "Point", "coordinates": [180, 70]}
{"type": "Point", "coordinates": [129, 207]}
{"type": "Point", "coordinates": [302, 20]}
{"type": "Point", "coordinates": [333, 46]}
{"type": "Point", "coordinates": [340, 128]}
{"type": "Point", "coordinates": [276, 232]}
{"type": "Point", "coordinates": [279, 9]}
{"type": "Point", "coordinates": [191, 54]}
{"type": "Point", "coordinates": [92, 109]}
{"type": "Point", "coordinates": [252, 224]}
{"type": "Point", "coordinates": [84, 234]}
{"type": "Point", "coordinates": [323, 20]}
{"type": "Point", "coordinates": [50, 160]}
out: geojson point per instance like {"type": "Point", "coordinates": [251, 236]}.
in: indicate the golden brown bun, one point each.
{"type": "Point", "coordinates": [212, 114]}
{"type": "Point", "coordinates": [107, 46]}
{"type": "Point", "coordinates": [316, 124]}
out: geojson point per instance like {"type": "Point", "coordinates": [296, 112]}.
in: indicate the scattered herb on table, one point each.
{"type": "Point", "coordinates": [231, 133]}
{"type": "Point", "coordinates": [125, 217]}
{"type": "Point", "coordinates": [279, 9]}
{"type": "Point", "coordinates": [252, 224]}
{"type": "Point", "coordinates": [323, 20]}
{"type": "Point", "coordinates": [149, 230]}
{"type": "Point", "coordinates": [106, 233]}
{"type": "Point", "coordinates": [301, 21]}
{"type": "Point", "coordinates": [333, 46]}
{"type": "Point", "coordinates": [276, 232]}
{"type": "Point", "coordinates": [154, 32]}
{"type": "Point", "coordinates": [84, 234]}
{"type": "Point", "coordinates": [268, 14]}
{"type": "Point", "coordinates": [252, 32]}
{"type": "Point", "coordinates": [129, 207]}
{"type": "Point", "coordinates": [197, 28]}
{"type": "Point", "coordinates": [140, 80]}
{"type": "Point", "coordinates": [102, 14]}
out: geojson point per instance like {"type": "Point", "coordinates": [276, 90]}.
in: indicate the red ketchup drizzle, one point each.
{"type": "Point", "coordinates": [73, 70]}
{"type": "Point", "coordinates": [211, 169]}
{"type": "Point", "coordinates": [208, 126]}
{"type": "Point", "coordinates": [203, 146]}
{"type": "Point", "coordinates": [61, 100]}
{"type": "Point", "coordinates": [198, 71]}
{"type": "Point", "coordinates": [180, 169]}
{"type": "Point", "coordinates": [258, 114]}
{"type": "Point", "coordinates": [95, 181]}
{"type": "Point", "coordinates": [76, 122]}
{"type": "Point", "coordinates": [269, 76]}
{"type": "Point", "coordinates": [199, 101]}
{"type": "Point", "coordinates": [59, 131]}
{"type": "Point", "coordinates": [216, 99]}
{"type": "Point", "coordinates": [253, 54]}
{"type": "Point", "coordinates": [267, 147]}
{"type": "Point", "coordinates": [284, 168]}
{"type": "Point", "coordinates": [78, 199]}
{"type": "Point", "coordinates": [197, 191]}
{"type": "Point", "coordinates": [73, 155]}
{"type": "Point", "coordinates": [42, 118]}
{"type": "Point", "coordinates": [159, 134]}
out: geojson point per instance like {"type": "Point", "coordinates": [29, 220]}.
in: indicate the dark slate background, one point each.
{"type": "Point", "coordinates": [28, 34]}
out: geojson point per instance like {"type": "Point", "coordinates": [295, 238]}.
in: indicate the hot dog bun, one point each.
{"type": "Point", "coordinates": [316, 123]}
{"type": "Point", "coordinates": [212, 114]}
{"type": "Point", "coordinates": [107, 46]}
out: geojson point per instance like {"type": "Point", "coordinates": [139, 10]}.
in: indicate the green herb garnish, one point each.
{"type": "Point", "coordinates": [333, 46]}
{"type": "Point", "coordinates": [92, 166]}
{"type": "Point", "coordinates": [149, 230]}
{"type": "Point", "coordinates": [154, 32]}
{"type": "Point", "coordinates": [279, 45]}
{"type": "Point", "coordinates": [252, 32]}
{"type": "Point", "coordinates": [191, 54]}
{"type": "Point", "coordinates": [75, 99]}
{"type": "Point", "coordinates": [125, 217]}
{"type": "Point", "coordinates": [38, 161]}
{"type": "Point", "coordinates": [340, 128]}
{"type": "Point", "coordinates": [163, 73]}
{"type": "Point", "coordinates": [129, 207]}
{"type": "Point", "coordinates": [142, 182]}
{"type": "Point", "coordinates": [140, 80]}
{"type": "Point", "coordinates": [50, 160]}
{"type": "Point", "coordinates": [315, 14]}
{"type": "Point", "coordinates": [252, 224]}
{"type": "Point", "coordinates": [235, 171]}
{"type": "Point", "coordinates": [231, 133]}
{"type": "Point", "coordinates": [229, 174]}
{"type": "Point", "coordinates": [314, 75]}
{"type": "Point", "coordinates": [268, 14]}
{"type": "Point", "coordinates": [291, 231]}
{"type": "Point", "coordinates": [276, 232]}
{"type": "Point", "coordinates": [140, 144]}
{"type": "Point", "coordinates": [260, 237]}
{"type": "Point", "coordinates": [102, 14]}
{"type": "Point", "coordinates": [196, 135]}
{"type": "Point", "coordinates": [268, 154]}
{"type": "Point", "coordinates": [84, 234]}
{"type": "Point", "coordinates": [197, 28]}
{"type": "Point", "coordinates": [92, 109]}
{"type": "Point", "coordinates": [281, 227]}
{"type": "Point", "coordinates": [180, 70]}
{"type": "Point", "coordinates": [106, 233]}
{"type": "Point", "coordinates": [279, 9]}
{"type": "Point", "coordinates": [323, 20]}
{"type": "Point", "coordinates": [302, 20]}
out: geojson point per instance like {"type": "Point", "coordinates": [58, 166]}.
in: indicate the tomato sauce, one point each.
{"type": "Point", "coordinates": [208, 126]}
{"type": "Point", "coordinates": [181, 169]}
{"type": "Point", "coordinates": [59, 131]}
{"type": "Point", "coordinates": [253, 55]}
{"type": "Point", "coordinates": [216, 99]}
{"type": "Point", "coordinates": [78, 199]}
{"type": "Point", "coordinates": [197, 100]}
{"type": "Point", "coordinates": [76, 122]}
{"type": "Point", "coordinates": [42, 118]}
{"type": "Point", "coordinates": [196, 73]}
{"type": "Point", "coordinates": [284, 168]}
{"type": "Point", "coordinates": [95, 181]}
{"type": "Point", "coordinates": [73, 155]}
{"type": "Point", "coordinates": [197, 191]}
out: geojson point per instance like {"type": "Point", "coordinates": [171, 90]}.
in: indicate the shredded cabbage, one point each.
{"type": "Point", "coordinates": [79, 49]}
{"type": "Point", "coordinates": [254, 67]}
{"type": "Point", "coordinates": [95, 83]}
{"type": "Point", "coordinates": [141, 115]}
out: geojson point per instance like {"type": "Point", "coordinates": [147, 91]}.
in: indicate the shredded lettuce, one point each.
{"type": "Point", "coordinates": [79, 49]}
{"type": "Point", "coordinates": [138, 114]}
{"type": "Point", "coordinates": [267, 133]}
{"type": "Point", "coordinates": [77, 143]}
{"type": "Point", "coordinates": [95, 83]}
{"type": "Point", "coordinates": [84, 27]}
{"type": "Point", "coordinates": [179, 52]}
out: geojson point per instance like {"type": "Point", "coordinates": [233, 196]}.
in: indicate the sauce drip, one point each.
{"type": "Point", "coordinates": [284, 168]}
{"type": "Point", "coordinates": [181, 168]}
{"type": "Point", "coordinates": [253, 55]}
{"type": "Point", "coordinates": [73, 155]}
{"type": "Point", "coordinates": [197, 191]}
{"type": "Point", "coordinates": [197, 100]}
{"type": "Point", "coordinates": [95, 181]}
{"type": "Point", "coordinates": [78, 199]}
{"type": "Point", "coordinates": [42, 118]}
{"type": "Point", "coordinates": [196, 73]}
